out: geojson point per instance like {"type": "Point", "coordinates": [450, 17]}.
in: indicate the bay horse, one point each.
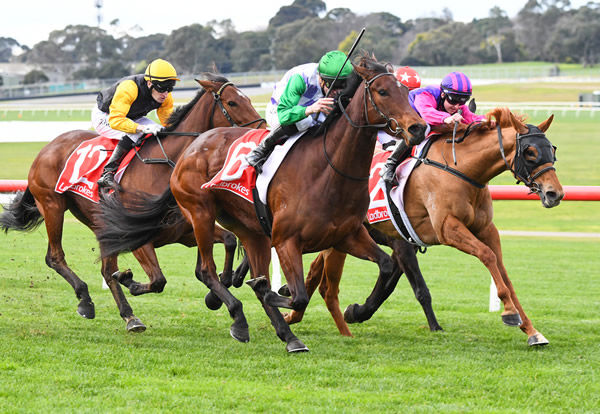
{"type": "Point", "coordinates": [457, 211]}
{"type": "Point", "coordinates": [318, 198]}
{"type": "Point", "coordinates": [218, 103]}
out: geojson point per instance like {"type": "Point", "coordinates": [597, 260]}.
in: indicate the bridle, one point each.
{"type": "Point", "coordinates": [522, 168]}
{"type": "Point", "coordinates": [219, 101]}
{"type": "Point", "coordinates": [388, 123]}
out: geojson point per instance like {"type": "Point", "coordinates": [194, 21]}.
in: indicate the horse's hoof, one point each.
{"type": "Point", "coordinates": [296, 345]}
{"type": "Point", "coordinates": [135, 325]}
{"type": "Point", "coordinates": [512, 319]}
{"type": "Point", "coordinates": [237, 280]}
{"type": "Point", "coordinates": [86, 309]}
{"type": "Point", "coordinates": [239, 333]}
{"type": "Point", "coordinates": [226, 280]}
{"type": "Point", "coordinates": [349, 313]}
{"type": "Point", "coordinates": [537, 339]}
{"type": "Point", "coordinates": [212, 301]}
{"type": "Point", "coordinates": [284, 291]}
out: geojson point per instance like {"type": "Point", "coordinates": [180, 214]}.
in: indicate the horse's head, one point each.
{"type": "Point", "coordinates": [534, 158]}
{"type": "Point", "coordinates": [218, 104]}
{"type": "Point", "coordinates": [386, 102]}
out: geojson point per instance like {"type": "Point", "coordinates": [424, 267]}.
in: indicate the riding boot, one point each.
{"type": "Point", "coordinates": [389, 170]}
{"type": "Point", "coordinates": [108, 174]}
{"type": "Point", "coordinates": [259, 155]}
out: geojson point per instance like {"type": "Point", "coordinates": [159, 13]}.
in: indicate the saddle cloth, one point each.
{"type": "Point", "coordinates": [379, 204]}
{"type": "Point", "coordinates": [84, 167]}
{"type": "Point", "coordinates": [238, 177]}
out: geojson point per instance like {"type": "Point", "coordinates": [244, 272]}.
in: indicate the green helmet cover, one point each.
{"type": "Point", "coordinates": [330, 65]}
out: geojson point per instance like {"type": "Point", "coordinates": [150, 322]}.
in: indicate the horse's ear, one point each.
{"type": "Point", "coordinates": [207, 85]}
{"type": "Point", "coordinates": [546, 124]}
{"type": "Point", "coordinates": [362, 71]}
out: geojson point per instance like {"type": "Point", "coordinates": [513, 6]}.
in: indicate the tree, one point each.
{"type": "Point", "coordinates": [7, 47]}
{"type": "Point", "coordinates": [35, 76]}
{"type": "Point", "coordinates": [289, 14]}
{"type": "Point", "coordinates": [193, 49]}
{"type": "Point", "coordinates": [250, 51]}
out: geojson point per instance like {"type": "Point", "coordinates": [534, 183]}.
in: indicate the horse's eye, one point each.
{"type": "Point", "coordinates": [382, 92]}
{"type": "Point", "coordinates": [232, 103]}
{"type": "Point", "coordinates": [530, 153]}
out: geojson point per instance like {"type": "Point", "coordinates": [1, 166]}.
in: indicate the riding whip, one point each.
{"type": "Point", "coordinates": [362, 31]}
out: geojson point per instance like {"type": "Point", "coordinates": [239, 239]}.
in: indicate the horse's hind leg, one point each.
{"type": "Point", "coordinates": [314, 279]}
{"type": "Point", "coordinates": [491, 238]}
{"type": "Point", "coordinates": [330, 287]}
{"type": "Point", "coordinates": [53, 212]}
{"type": "Point", "coordinates": [406, 257]}
{"type": "Point", "coordinates": [362, 246]}
{"type": "Point", "coordinates": [230, 242]}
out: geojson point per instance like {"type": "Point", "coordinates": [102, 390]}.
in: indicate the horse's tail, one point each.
{"type": "Point", "coordinates": [126, 228]}
{"type": "Point", "coordinates": [21, 214]}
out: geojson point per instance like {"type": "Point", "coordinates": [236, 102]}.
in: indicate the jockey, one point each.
{"type": "Point", "coordinates": [122, 108]}
{"type": "Point", "coordinates": [408, 77]}
{"type": "Point", "coordinates": [438, 105]}
{"type": "Point", "coordinates": [298, 99]}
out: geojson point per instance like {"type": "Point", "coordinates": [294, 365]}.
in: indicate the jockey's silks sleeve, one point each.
{"type": "Point", "coordinates": [288, 110]}
{"type": "Point", "coordinates": [126, 93]}
{"type": "Point", "coordinates": [426, 105]}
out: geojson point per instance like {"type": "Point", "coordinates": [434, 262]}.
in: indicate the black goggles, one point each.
{"type": "Point", "coordinates": [339, 84]}
{"type": "Point", "coordinates": [164, 86]}
{"type": "Point", "coordinates": [454, 99]}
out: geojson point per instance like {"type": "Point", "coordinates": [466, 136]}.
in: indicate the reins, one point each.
{"type": "Point", "coordinates": [529, 181]}
{"type": "Point", "coordinates": [396, 131]}
{"type": "Point", "coordinates": [217, 100]}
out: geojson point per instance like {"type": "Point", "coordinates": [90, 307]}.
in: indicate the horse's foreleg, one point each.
{"type": "Point", "coordinates": [454, 233]}
{"type": "Point", "coordinates": [491, 238]}
{"type": "Point", "coordinates": [404, 254]}
{"type": "Point", "coordinates": [363, 247]}
{"type": "Point", "coordinates": [109, 267]}
{"type": "Point", "coordinates": [258, 254]}
{"type": "Point", "coordinates": [53, 212]}
{"type": "Point", "coordinates": [146, 256]}
{"type": "Point", "coordinates": [315, 278]}
{"type": "Point", "coordinates": [290, 259]}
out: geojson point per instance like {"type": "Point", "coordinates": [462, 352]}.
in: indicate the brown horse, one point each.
{"type": "Point", "coordinates": [450, 210]}
{"type": "Point", "coordinates": [318, 198]}
{"type": "Point", "coordinates": [39, 202]}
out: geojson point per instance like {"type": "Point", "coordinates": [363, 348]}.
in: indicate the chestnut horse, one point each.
{"type": "Point", "coordinates": [445, 209]}
{"type": "Point", "coordinates": [39, 202]}
{"type": "Point", "coordinates": [318, 198]}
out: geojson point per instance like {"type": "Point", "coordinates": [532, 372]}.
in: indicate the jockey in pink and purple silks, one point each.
{"type": "Point", "coordinates": [438, 105]}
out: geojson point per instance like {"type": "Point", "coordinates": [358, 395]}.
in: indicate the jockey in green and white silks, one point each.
{"type": "Point", "coordinates": [298, 99]}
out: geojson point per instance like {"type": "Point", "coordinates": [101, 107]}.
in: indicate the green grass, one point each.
{"type": "Point", "coordinates": [53, 360]}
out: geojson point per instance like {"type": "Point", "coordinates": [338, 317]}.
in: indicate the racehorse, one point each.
{"type": "Point", "coordinates": [318, 197]}
{"type": "Point", "coordinates": [218, 103]}
{"type": "Point", "coordinates": [456, 210]}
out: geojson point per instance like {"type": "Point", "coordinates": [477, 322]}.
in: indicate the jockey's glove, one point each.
{"type": "Point", "coordinates": [152, 129]}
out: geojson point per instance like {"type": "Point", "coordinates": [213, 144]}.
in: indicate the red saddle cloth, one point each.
{"type": "Point", "coordinates": [84, 167]}
{"type": "Point", "coordinates": [378, 210]}
{"type": "Point", "coordinates": [236, 175]}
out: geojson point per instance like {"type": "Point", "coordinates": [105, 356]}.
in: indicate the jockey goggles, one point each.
{"type": "Point", "coordinates": [454, 98]}
{"type": "Point", "coordinates": [164, 86]}
{"type": "Point", "coordinates": [339, 84]}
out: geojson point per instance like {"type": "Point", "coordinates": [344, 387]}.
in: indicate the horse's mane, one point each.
{"type": "Point", "coordinates": [365, 60]}
{"type": "Point", "coordinates": [181, 111]}
{"type": "Point", "coordinates": [505, 118]}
